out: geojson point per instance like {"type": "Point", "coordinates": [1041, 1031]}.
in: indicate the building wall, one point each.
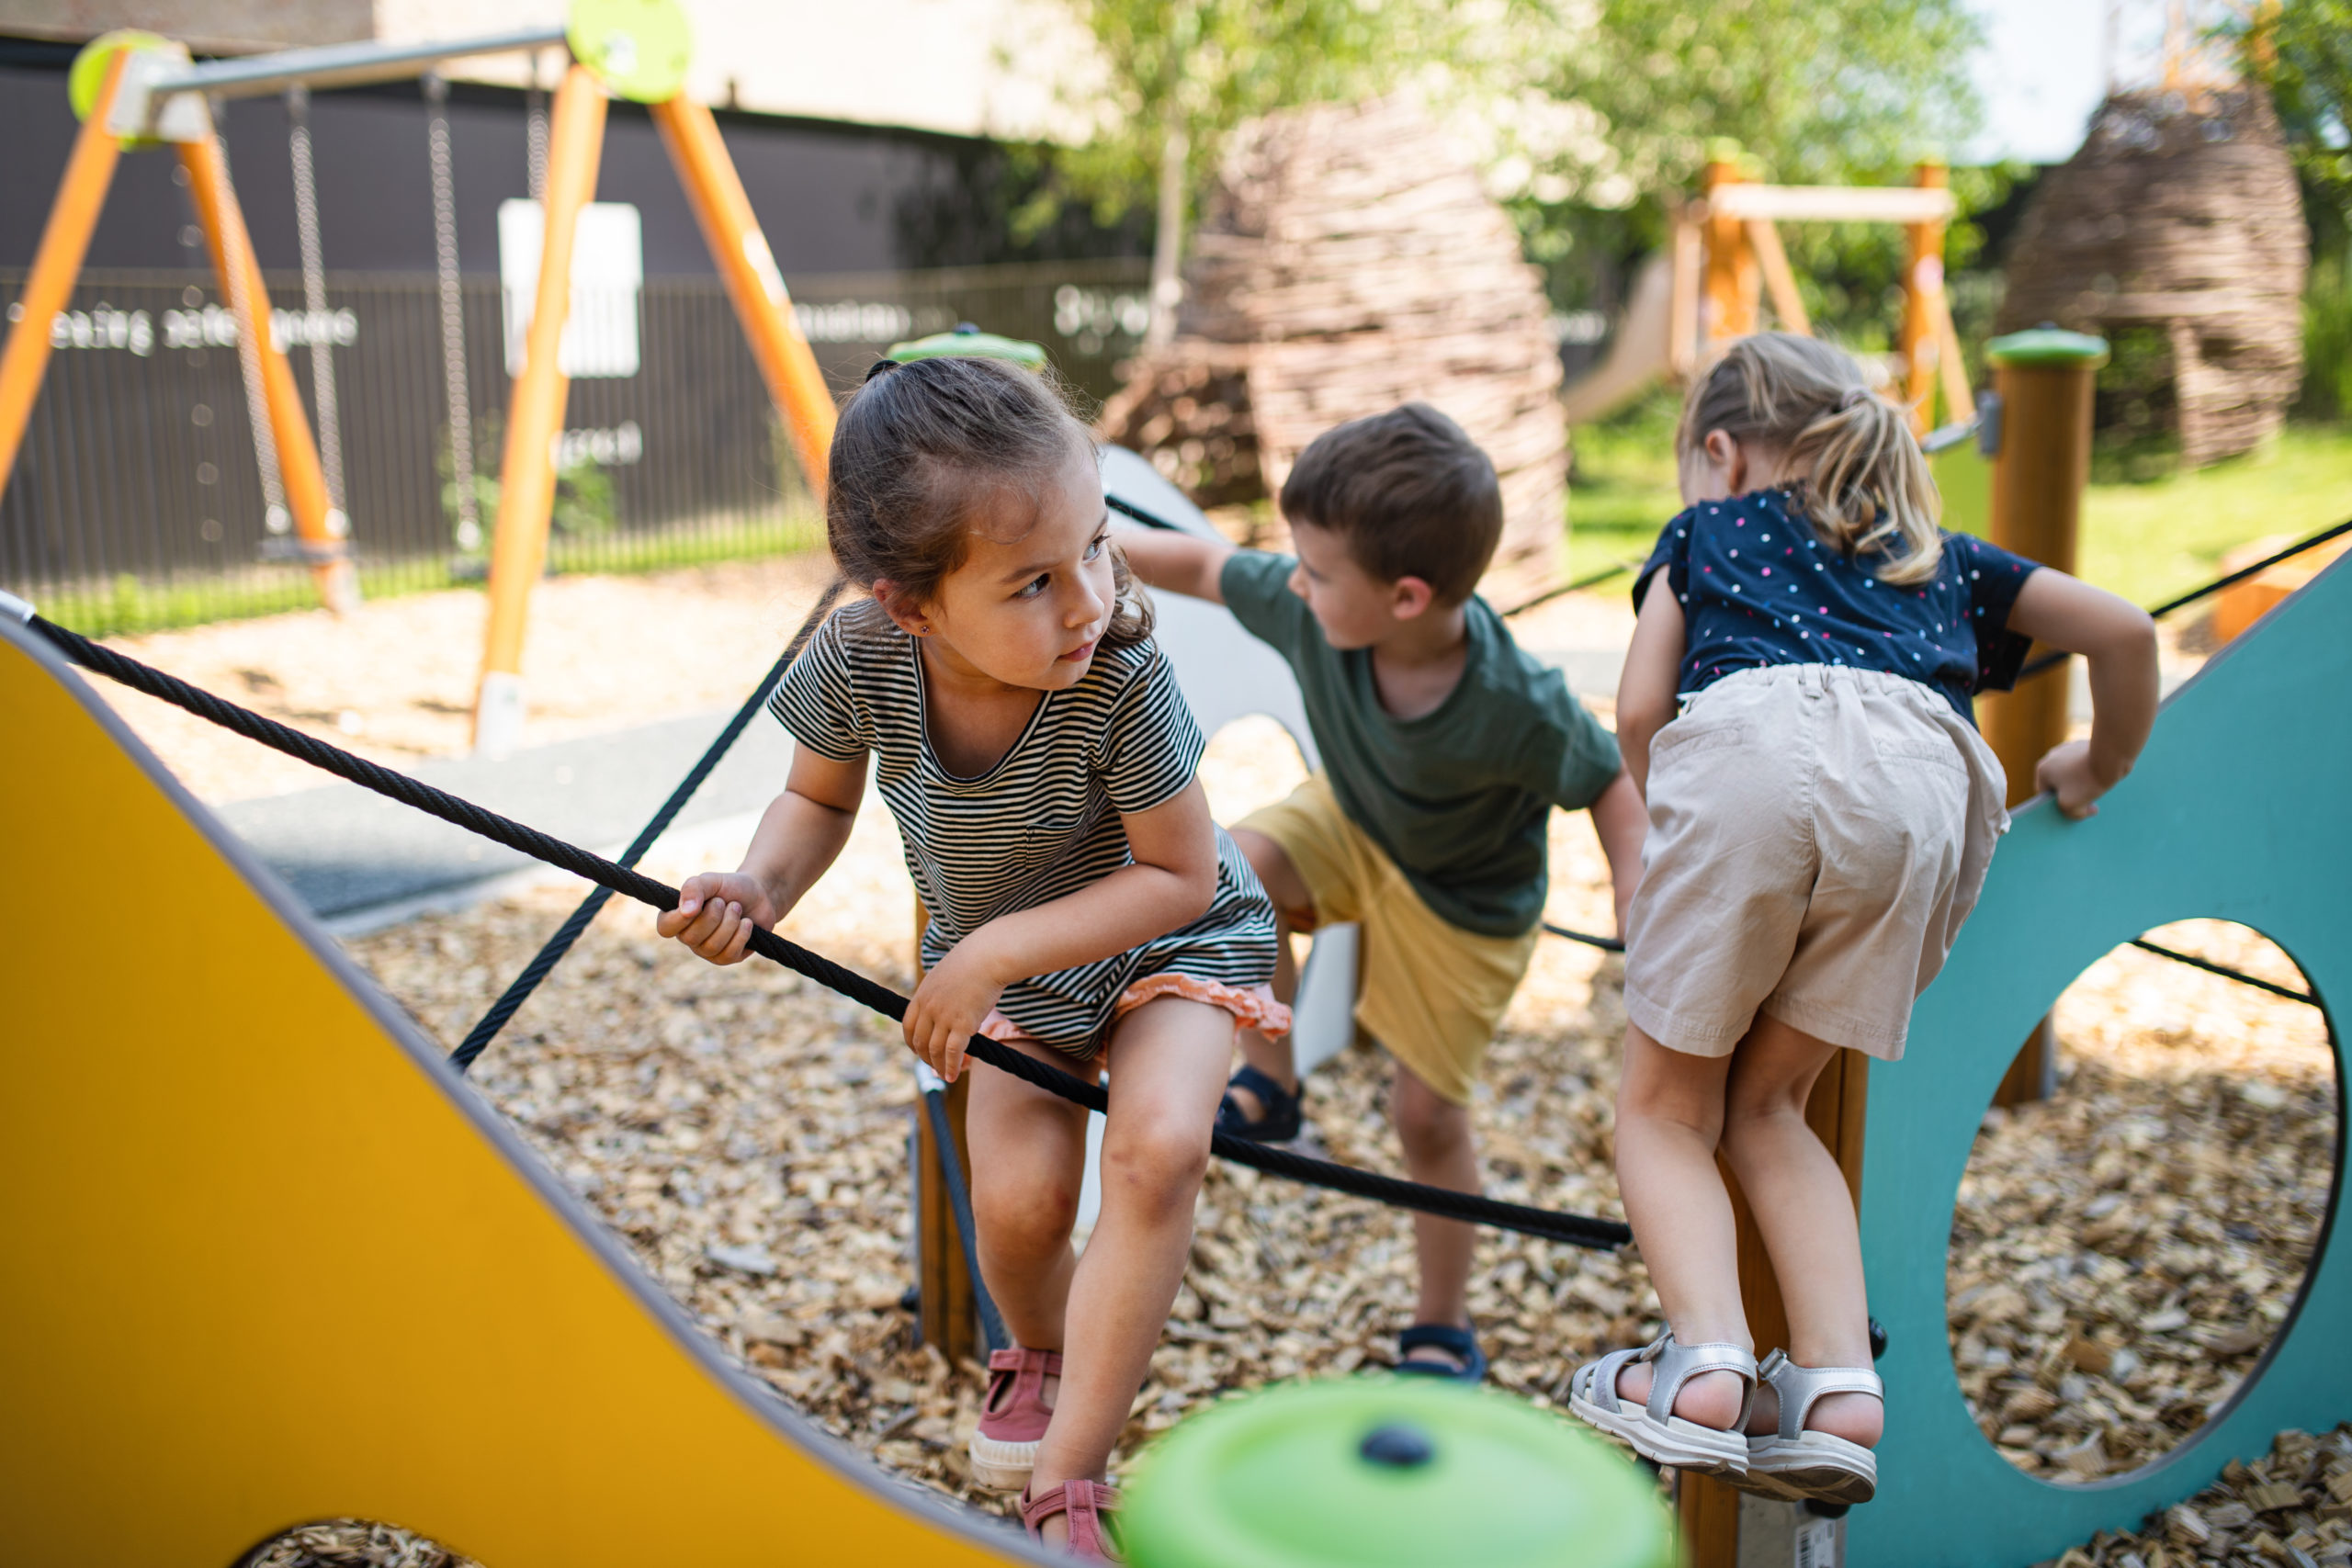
{"type": "Point", "coordinates": [833, 198]}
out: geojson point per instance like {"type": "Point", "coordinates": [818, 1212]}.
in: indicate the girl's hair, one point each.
{"type": "Point", "coordinates": [1860, 477]}
{"type": "Point", "coordinates": [922, 450]}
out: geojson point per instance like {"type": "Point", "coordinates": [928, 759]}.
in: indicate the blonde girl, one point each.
{"type": "Point", "coordinates": [1796, 707]}
{"type": "Point", "coordinates": [1031, 742]}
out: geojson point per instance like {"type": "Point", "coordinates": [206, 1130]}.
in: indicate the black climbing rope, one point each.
{"type": "Point", "coordinates": [2226, 580]}
{"type": "Point", "coordinates": [543, 963]}
{"type": "Point", "coordinates": [1578, 1230]}
{"type": "Point", "coordinates": [2226, 973]}
{"type": "Point", "coordinates": [1606, 943]}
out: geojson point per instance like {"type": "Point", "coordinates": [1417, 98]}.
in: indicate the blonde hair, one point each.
{"type": "Point", "coordinates": [1860, 477]}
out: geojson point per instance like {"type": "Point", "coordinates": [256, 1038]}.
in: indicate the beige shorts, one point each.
{"type": "Point", "coordinates": [1432, 993]}
{"type": "Point", "coordinates": [1818, 835]}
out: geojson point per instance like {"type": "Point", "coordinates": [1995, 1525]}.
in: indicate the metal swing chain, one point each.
{"type": "Point", "coordinates": [314, 307]}
{"type": "Point", "coordinates": [276, 519]}
{"type": "Point", "coordinates": [453, 316]}
{"type": "Point", "coordinates": [535, 123]}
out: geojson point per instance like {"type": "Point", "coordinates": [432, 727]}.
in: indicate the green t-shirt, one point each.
{"type": "Point", "coordinates": [1458, 797]}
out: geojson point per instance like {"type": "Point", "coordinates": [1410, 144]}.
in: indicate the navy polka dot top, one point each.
{"type": "Point", "coordinates": [1757, 587]}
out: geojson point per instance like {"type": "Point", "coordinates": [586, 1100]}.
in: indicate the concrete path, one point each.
{"type": "Point", "coordinates": [347, 851]}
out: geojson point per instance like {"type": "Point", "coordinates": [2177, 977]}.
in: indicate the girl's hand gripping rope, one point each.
{"type": "Point", "coordinates": [947, 1008]}
{"type": "Point", "coordinates": [716, 913]}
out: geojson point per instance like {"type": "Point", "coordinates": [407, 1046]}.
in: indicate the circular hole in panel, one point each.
{"type": "Point", "coordinates": [2125, 1251]}
{"type": "Point", "coordinates": [352, 1543]}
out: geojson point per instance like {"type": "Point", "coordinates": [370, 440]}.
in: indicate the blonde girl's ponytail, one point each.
{"type": "Point", "coordinates": [1859, 475]}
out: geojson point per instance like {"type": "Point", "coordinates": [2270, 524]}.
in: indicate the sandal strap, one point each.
{"type": "Point", "coordinates": [1798, 1387]}
{"type": "Point", "coordinates": [1273, 1099]}
{"type": "Point", "coordinates": [1600, 1377]}
{"type": "Point", "coordinates": [1019, 1371]}
{"type": "Point", "coordinates": [1085, 1502]}
{"type": "Point", "coordinates": [1677, 1363]}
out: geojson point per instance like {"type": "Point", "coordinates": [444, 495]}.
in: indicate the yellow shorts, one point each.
{"type": "Point", "coordinates": [1431, 992]}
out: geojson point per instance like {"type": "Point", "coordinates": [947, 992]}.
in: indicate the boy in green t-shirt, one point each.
{"type": "Point", "coordinates": [1444, 749]}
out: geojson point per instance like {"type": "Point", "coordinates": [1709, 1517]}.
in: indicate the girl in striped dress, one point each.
{"type": "Point", "coordinates": [1003, 685]}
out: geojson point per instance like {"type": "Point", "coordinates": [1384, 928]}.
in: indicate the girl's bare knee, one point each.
{"type": "Point", "coordinates": [1154, 1166]}
{"type": "Point", "coordinates": [1026, 1218]}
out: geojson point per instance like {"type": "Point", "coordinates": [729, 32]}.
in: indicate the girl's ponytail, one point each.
{"type": "Point", "coordinates": [1860, 477]}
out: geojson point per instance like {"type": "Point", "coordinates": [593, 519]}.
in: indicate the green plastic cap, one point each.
{"type": "Point", "coordinates": [968, 341]}
{"type": "Point", "coordinates": [88, 73]}
{"type": "Point", "coordinates": [1388, 1473]}
{"type": "Point", "coordinates": [638, 49]}
{"type": "Point", "coordinates": [2047, 344]}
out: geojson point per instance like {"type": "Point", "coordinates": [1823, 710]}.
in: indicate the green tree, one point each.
{"type": "Point", "coordinates": [2302, 51]}
{"type": "Point", "coordinates": [1590, 114]}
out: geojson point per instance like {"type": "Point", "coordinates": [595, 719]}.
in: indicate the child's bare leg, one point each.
{"type": "Point", "coordinates": [1028, 1162]}
{"type": "Point", "coordinates": [1441, 1151]}
{"type": "Point", "coordinates": [1805, 1213]}
{"type": "Point", "coordinates": [1167, 1071]}
{"type": "Point", "coordinates": [1288, 891]}
{"type": "Point", "coordinates": [1669, 1119]}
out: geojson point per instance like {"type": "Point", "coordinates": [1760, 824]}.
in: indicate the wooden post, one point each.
{"type": "Point", "coordinates": [1709, 1509]}
{"type": "Point", "coordinates": [64, 241]}
{"type": "Point", "coordinates": [732, 231]}
{"type": "Point", "coordinates": [1918, 341]}
{"type": "Point", "coordinates": [1732, 286]}
{"type": "Point", "coordinates": [2044, 379]}
{"type": "Point", "coordinates": [535, 415]}
{"type": "Point", "coordinates": [951, 1315]}
{"type": "Point", "coordinates": [316, 524]}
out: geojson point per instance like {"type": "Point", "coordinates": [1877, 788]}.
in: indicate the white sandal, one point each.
{"type": "Point", "coordinates": [1654, 1430]}
{"type": "Point", "coordinates": [1795, 1463]}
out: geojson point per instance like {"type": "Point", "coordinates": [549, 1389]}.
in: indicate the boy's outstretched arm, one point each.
{"type": "Point", "coordinates": [2119, 641]}
{"type": "Point", "coordinates": [1621, 821]}
{"type": "Point", "coordinates": [1180, 563]}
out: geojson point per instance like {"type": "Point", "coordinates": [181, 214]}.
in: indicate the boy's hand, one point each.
{"type": "Point", "coordinates": [716, 913]}
{"type": "Point", "coordinates": [2067, 773]}
{"type": "Point", "coordinates": [947, 1007]}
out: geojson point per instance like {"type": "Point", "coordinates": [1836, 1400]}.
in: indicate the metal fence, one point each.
{"type": "Point", "coordinates": [137, 501]}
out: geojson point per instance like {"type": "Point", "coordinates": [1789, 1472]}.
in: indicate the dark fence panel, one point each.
{"type": "Point", "coordinates": [137, 498]}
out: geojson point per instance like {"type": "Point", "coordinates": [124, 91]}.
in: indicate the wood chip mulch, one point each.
{"type": "Point", "coordinates": [744, 1134]}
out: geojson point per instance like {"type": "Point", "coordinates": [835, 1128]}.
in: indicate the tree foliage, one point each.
{"type": "Point", "coordinates": [1587, 115]}
{"type": "Point", "coordinates": [2302, 51]}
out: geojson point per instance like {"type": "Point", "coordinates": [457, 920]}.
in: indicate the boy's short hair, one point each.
{"type": "Point", "coordinates": [1410, 492]}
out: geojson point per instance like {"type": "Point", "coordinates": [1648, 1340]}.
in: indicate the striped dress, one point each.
{"type": "Point", "coordinates": [1042, 823]}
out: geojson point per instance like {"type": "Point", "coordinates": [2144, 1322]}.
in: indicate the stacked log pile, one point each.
{"type": "Point", "coordinates": [1349, 261]}
{"type": "Point", "coordinates": [2180, 213]}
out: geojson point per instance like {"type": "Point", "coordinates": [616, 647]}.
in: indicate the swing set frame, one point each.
{"type": "Point", "coordinates": [149, 92]}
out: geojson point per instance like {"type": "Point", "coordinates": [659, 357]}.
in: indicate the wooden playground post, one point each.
{"type": "Point", "coordinates": [64, 240]}
{"type": "Point", "coordinates": [1709, 1508]}
{"type": "Point", "coordinates": [795, 383]}
{"type": "Point", "coordinates": [535, 413]}
{"type": "Point", "coordinates": [1734, 287]}
{"type": "Point", "coordinates": [950, 1314]}
{"type": "Point", "coordinates": [2044, 379]}
{"type": "Point", "coordinates": [299, 468]}
{"type": "Point", "coordinates": [1919, 340]}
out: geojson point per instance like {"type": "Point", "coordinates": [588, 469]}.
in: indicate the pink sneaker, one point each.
{"type": "Point", "coordinates": [1014, 1418]}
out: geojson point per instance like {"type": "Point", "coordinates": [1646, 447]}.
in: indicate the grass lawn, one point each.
{"type": "Point", "coordinates": [2143, 541]}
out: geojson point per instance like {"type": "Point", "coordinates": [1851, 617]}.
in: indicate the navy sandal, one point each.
{"type": "Point", "coordinates": [1279, 1119]}
{"type": "Point", "coordinates": [1445, 1337]}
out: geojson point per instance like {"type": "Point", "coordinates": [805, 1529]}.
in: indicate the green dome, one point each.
{"type": "Point", "coordinates": [1388, 1473]}
{"type": "Point", "coordinates": [2047, 345]}
{"type": "Point", "coordinates": [969, 342]}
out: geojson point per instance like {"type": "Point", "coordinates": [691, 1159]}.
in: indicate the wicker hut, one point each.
{"type": "Point", "coordinates": [1348, 260]}
{"type": "Point", "coordinates": [2179, 215]}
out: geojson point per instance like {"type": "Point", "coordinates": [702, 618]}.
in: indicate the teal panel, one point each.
{"type": "Point", "coordinates": [2239, 811]}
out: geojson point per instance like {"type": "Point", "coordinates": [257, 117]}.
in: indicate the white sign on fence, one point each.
{"type": "Point", "coordinates": [608, 269]}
